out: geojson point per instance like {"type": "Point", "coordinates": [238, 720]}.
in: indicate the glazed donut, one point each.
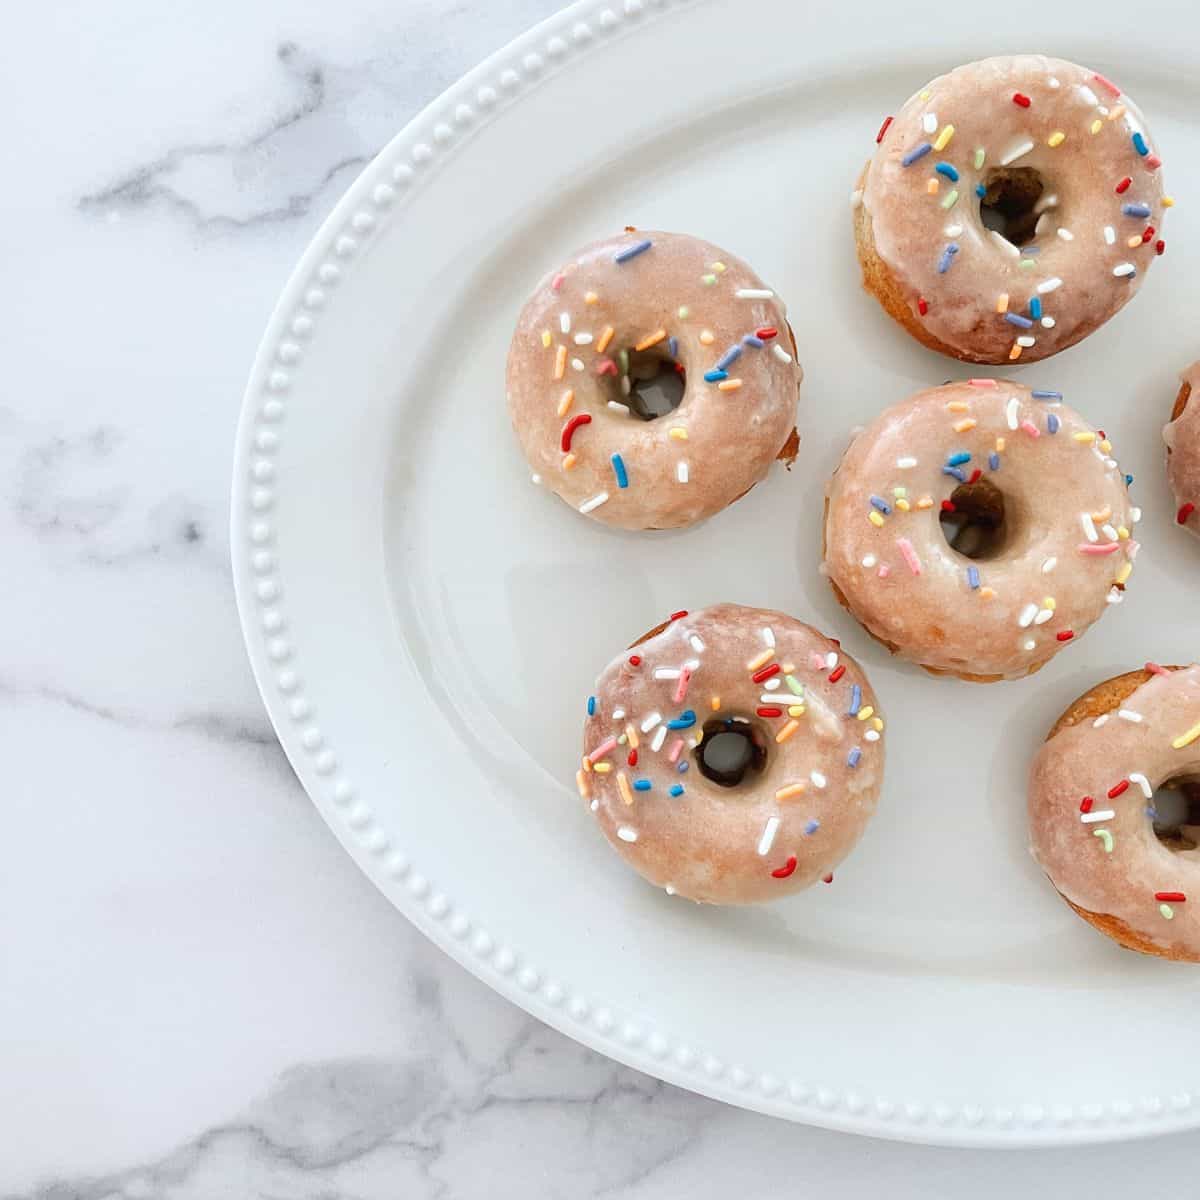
{"type": "Point", "coordinates": [1012, 207]}
{"type": "Point", "coordinates": [1110, 845]}
{"type": "Point", "coordinates": [979, 527]}
{"type": "Point", "coordinates": [734, 756]}
{"type": "Point", "coordinates": [658, 309]}
{"type": "Point", "coordinates": [1182, 436]}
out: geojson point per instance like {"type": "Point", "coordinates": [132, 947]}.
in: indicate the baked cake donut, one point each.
{"type": "Point", "coordinates": [979, 527]}
{"type": "Point", "coordinates": [652, 380]}
{"type": "Point", "coordinates": [1011, 208]}
{"type": "Point", "coordinates": [1182, 436]}
{"type": "Point", "coordinates": [1114, 809]}
{"type": "Point", "coordinates": [733, 755]}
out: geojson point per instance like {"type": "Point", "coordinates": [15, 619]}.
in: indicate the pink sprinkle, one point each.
{"type": "Point", "coordinates": [1155, 669]}
{"type": "Point", "coordinates": [606, 366]}
{"type": "Point", "coordinates": [1153, 162]}
{"type": "Point", "coordinates": [982, 382]}
{"type": "Point", "coordinates": [884, 571]}
{"type": "Point", "coordinates": [1108, 83]}
{"type": "Point", "coordinates": [558, 281]}
{"type": "Point", "coordinates": [1098, 547]}
{"type": "Point", "coordinates": [601, 750]}
{"type": "Point", "coordinates": [1030, 428]}
{"type": "Point", "coordinates": [676, 750]}
{"type": "Point", "coordinates": [910, 555]}
{"type": "Point", "coordinates": [685, 675]}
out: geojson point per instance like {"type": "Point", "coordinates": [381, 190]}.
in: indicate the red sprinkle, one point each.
{"type": "Point", "coordinates": [1178, 897]}
{"type": "Point", "coordinates": [1159, 246]}
{"type": "Point", "coordinates": [837, 673]}
{"type": "Point", "coordinates": [768, 711]}
{"type": "Point", "coordinates": [1185, 511]}
{"type": "Point", "coordinates": [948, 506]}
{"type": "Point", "coordinates": [975, 474]}
{"type": "Point", "coordinates": [569, 429]}
{"type": "Point", "coordinates": [1148, 233]}
{"type": "Point", "coordinates": [922, 305]}
{"type": "Point", "coordinates": [1021, 99]}
{"type": "Point", "coordinates": [1114, 792]}
{"type": "Point", "coordinates": [1124, 185]}
{"type": "Point", "coordinates": [675, 616]}
{"type": "Point", "coordinates": [766, 332]}
{"type": "Point", "coordinates": [635, 660]}
{"type": "Point", "coordinates": [827, 878]}
{"type": "Point", "coordinates": [633, 756]}
{"type": "Point", "coordinates": [882, 130]}
{"type": "Point", "coordinates": [787, 868]}
{"type": "Point", "coordinates": [1107, 83]}
{"type": "Point", "coordinates": [1065, 635]}
{"type": "Point", "coordinates": [766, 673]}
{"type": "Point", "coordinates": [1085, 805]}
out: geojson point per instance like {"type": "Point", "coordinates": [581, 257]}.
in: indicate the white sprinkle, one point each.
{"type": "Point", "coordinates": [667, 672]}
{"type": "Point", "coordinates": [594, 502]}
{"type": "Point", "coordinates": [869, 560]}
{"type": "Point", "coordinates": [1109, 532]}
{"type": "Point", "coordinates": [1142, 782]}
{"type": "Point", "coordinates": [692, 664]}
{"type": "Point", "coordinates": [856, 198]}
{"type": "Point", "coordinates": [618, 714]}
{"type": "Point", "coordinates": [660, 736]}
{"type": "Point", "coordinates": [768, 835]}
{"type": "Point", "coordinates": [583, 339]}
{"type": "Point", "coordinates": [1127, 714]}
{"type": "Point", "coordinates": [831, 660]}
{"type": "Point", "coordinates": [1030, 644]}
{"type": "Point", "coordinates": [1102, 719]}
{"type": "Point", "coordinates": [872, 735]}
{"type": "Point", "coordinates": [564, 322]}
{"type": "Point", "coordinates": [696, 642]}
{"type": "Point", "coordinates": [1125, 268]}
{"type": "Point", "coordinates": [1018, 151]}
{"type": "Point", "coordinates": [780, 353]}
{"type": "Point", "coordinates": [1115, 596]}
{"type": "Point", "coordinates": [767, 698]}
{"type": "Point", "coordinates": [1048, 201]}
{"type": "Point", "coordinates": [617, 406]}
{"type": "Point", "coordinates": [626, 386]}
{"type": "Point", "coordinates": [1110, 234]}
{"type": "Point", "coordinates": [1004, 244]}
{"type": "Point", "coordinates": [1102, 109]}
{"type": "Point", "coordinates": [754, 293]}
{"type": "Point", "coordinates": [1048, 322]}
{"type": "Point", "coordinates": [1043, 223]}
{"type": "Point", "coordinates": [1089, 527]}
{"type": "Point", "coordinates": [627, 833]}
{"type": "Point", "coordinates": [1105, 814]}
{"type": "Point", "coordinates": [535, 479]}
{"type": "Point", "coordinates": [1049, 565]}
{"type": "Point", "coordinates": [818, 779]}
{"type": "Point", "coordinates": [1044, 614]}
{"type": "Point", "coordinates": [906, 463]}
{"type": "Point", "coordinates": [1135, 515]}
{"type": "Point", "coordinates": [768, 636]}
{"type": "Point", "coordinates": [1049, 285]}
{"type": "Point", "coordinates": [577, 364]}
{"type": "Point", "coordinates": [1026, 341]}
{"type": "Point", "coordinates": [681, 471]}
{"type": "Point", "coordinates": [929, 122]}
{"type": "Point", "coordinates": [1089, 97]}
{"type": "Point", "coordinates": [771, 684]}
{"type": "Point", "coordinates": [1011, 410]}
{"type": "Point", "coordinates": [1054, 83]}
{"type": "Point", "coordinates": [669, 889]}
{"type": "Point", "coordinates": [595, 804]}
{"type": "Point", "coordinates": [1027, 615]}
{"type": "Point", "coordinates": [952, 231]}
{"type": "Point", "coordinates": [1065, 234]}
{"type": "Point", "coordinates": [650, 722]}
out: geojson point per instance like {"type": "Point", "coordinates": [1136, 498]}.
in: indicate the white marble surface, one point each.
{"type": "Point", "coordinates": [199, 995]}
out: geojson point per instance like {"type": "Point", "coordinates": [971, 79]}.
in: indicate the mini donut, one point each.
{"type": "Point", "coordinates": [978, 528]}
{"type": "Point", "coordinates": [625, 311]}
{"type": "Point", "coordinates": [1182, 436]}
{"type": "Point", "coordinates": [734, 756]}
{"type": "Point", "coordinates": [1053, 153]}
{"type": "Point", "coordinates": [1097, 827]}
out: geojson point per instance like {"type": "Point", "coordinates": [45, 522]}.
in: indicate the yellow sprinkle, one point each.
{"type": "Point", "coordinates": [624, 788]}
{"type": "Point", "coordinates": [787, 731]}
{"type": "Point", "coordinates": [1186, 739]}
{"type": "Point", "coordinates": [605, 338]}
{"type": "Point", "coordinates": [925, 502]}
{"type": "Point", "coordinates": [987, 593]}
{"type": "Point", "coordinates": [924, 95]}
{"type": "Point", "coordinates": [1168, 202]}
{"type": "Point", "coordinates": [657, 336]}
{"type": "Point", "coordinates": [792, 789]}
{"type": "Point", "coordinates": [569, 461]}
{"type": "Point", "coordinates": [715, 703]}
{"type": "Point", "coordinates": [932, 186]}
{"type": "Point", "coordinates": [729, 385]}
{"type": "Point", "coordinates": [903, 505]}
{"type": "Point", "coordinates": [899, 491]}
{"type": "Point", "coordinates": [760, 660]}
{"type": "Point", "coordinates": [586, 763]}
{"type": "Point", "coordinates": [632, 735]}
{"type": "Point", "coordinates": [590, 297]}
{"type": "Point", "coordinates": [1122, 533]}
{"type": "Point", "coordinates": [698, 738]}
{"type": "Point", "coordinates": [1117, 113]}
{"type": "Point", "coordinates": [1000, 444]}
{"type": "Point", "coordinates": [874, 517]}
{"type": "Point", "coordinates": [546, 338]}
{"type": "Point", "coordinates": [1015, 352]}
{"type": "Point", "coordinates": [564, 405]}
{"type": "Point", "coordinates": [1105, 446]}
{"type": "Point", "coordinates": [560, 362]}
{"type": "Point", "coordinates": [865, 712]}
{"type": "Point", "coordinates": [965, 424]}
{"type": "Point", "coordinates": [1056, 138]}
{"type": "Point", "coordinates": [583, 784]}
{"type": "Point", "coordinates": [718, 267]}
{"type": "Point", "coordinates": [796, 710]}
{"type": "Point", "coordinates": [678, 433]}
{"type": "Point", "coordinates": [684, 312]}
{"type": "Point", "coordinates": [943, 138]}
{"type": "Point", "coordinates": [1048, 602]}
{"type": "Point", "coordinates": [789, 668]}
{"type": "Point", "coordinates": [1124, 573]}
{"type": "Point", "coordinates": [603, 768]}
{"type": "Point", "coordinates": [1002, 302]}
{"type": "Point", "coordinates": [957, 406]}
{"type": "Point", "coordinates": [1085, 439]}
{"type": "Point", "coordinates": [1097, 125]}
{"type": "Point", "coordinates": [706, 337]}
{"type": "Point", "coordinates": [877, 724]}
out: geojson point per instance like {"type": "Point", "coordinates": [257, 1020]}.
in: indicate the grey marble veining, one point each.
{"type": "Point", "coordinates": [201, 998]}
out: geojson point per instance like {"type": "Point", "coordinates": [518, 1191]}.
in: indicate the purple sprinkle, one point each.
{"type": "Point", "coordinates": [994, 461]}
{"type": "Point", "coordinates": [672, 346]}
{"type": "Point", "coordinates": [1136, 210]}
{"type": "Point", "coordinates": [855, 701]}
{"type": "Point", "coordinates": [628, 252]}
{"type": "Point", "coordinates": [917, 152]}
{"type": "Point", "coordinates": [1046, 395]}
{"type": "Point", "coordinates": [730, 355]}
{"type": "Point", "coordinates": [1052, 423]}
{"type": "Point", "coordinates": [947, 258]}
{"type": "Point", "coordinates": [956, 473]}
{"type": "Point", "coordinates": [854, 756]}
{"type": "Point", "coordinates": [880, 503]}
{"type": "Point", "coordinates": [750, 340]}
{"type": "Point", "coordinates": [812, 826]}
{"type": "Point", "coordinates": [973, 577]}
{"type": "Point", "coordinates": [1019, 321]}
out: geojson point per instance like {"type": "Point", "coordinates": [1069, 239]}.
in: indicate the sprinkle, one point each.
{"type": "Point", "coordinates": [1097, 125]}
{"type": "Point", "coordinates": [1052, 423]}
{"type": "Point", "coordinates": [1110, 234]}
{"type": "Point", "coordinates": [1107, 84]}
{"type": "Point", "coordinates": [768, 835]}
{"type": "Point", "coordinates": [681, 471]}
{"type": "Point", "coordinates": [1105, 837]}
{"type": "Point", "coordinates": [1028, 613]}
{"type": "Point", "coordinates": [1103, 548]}
{"type": "Point", "coordinates": [761, 660]}
{"type": "Point", "coordinates": [642, 785]}
{"type": "Point", "coordinates": [564, 405]}
{"type": "Point", "coordinates": [583, 784]}
{"type": "Point", "coordinates": [627, 252]}
{"type": "Point", "coordinates": [729, 385]}
{"type": "Point", "coordinates": [1065, 234]}
{"type": "Point", "coordinates": [1085, 439]}
{"type": "Point", "coordinates": [875, 519]}
{"type": "Point", "coordinates": [605, 338]}
{"type": "Point", "coordinates": [1017, 151]}
{"type": "Point", "coordinates": [865, 713]}
{"type": "Point", "coordinates": [708, 280]}
{"type": "Point", "coordinates": [947, 258]}
{"type": "Point", "coordinates": [780, 353]}
{"type": "Point", "coordinates": [1143, 783]}
{"type": "Point", "coordinates": [706, 337]}
{"type": "Point", "coordinates": [768, 710]}
{"type": "Point", "coordinates": [794, 685]}
{"type": "Point", "coordinates": [855, 701]}
{"type": "Point", "coordinates": [882, 130]}
{"type": "Point", "coordinates": [787, 731]}
{"type": "Point", "coordinates": [1010, 412]}
{"type": "Point", "coordinates": [678, 433]}
{"type": "Point", "coordinates": [994, 461]}
{"type": "Point", "coordinates": [660, 736]}
{"type": "Point", "coordinates": [973, 577]}
{"type": "Point", "coordinates": [1049, 285]}
{"type": "Point", "coordinates": [853, 757]}
{"type": "Point", "coordinates": [1021, 99]}
{"type": "Point", "coordinates": [1167, 911]}
{"type": "Point", "coordinates": [787, 868]}
{"type": "Point", "coordinates": [1136, 210]}
{"type": "Point", "coordinates": [1090, 818]}
{"type": "Point", "coordinates": [590, 297]}
{"type": "Point", "coordinates": [951, 199]}
{"type": "Point", "coordinates": [950, 172]}
{"type": "Point", "coordinates": [943, 139]}
{"type": "Point", "coordinates": [1175, 897]}
{"type": "Point", "coordinates": [685, 720]}
{"type": "Point", "coordinates": [731, 355]}
{"type": "Point", "coordinates": [790, 791]}
{"type": "Point", "coordinates": [750, 339]}
{"type": "Point", "coordinates": [715, 376]}
{"type": "Point", "coordinates": [955, 473]}
{"type": "Point", "coordinates": [768, 636]}
{"type": "Point", "coordinates": [922, 305]}
{"type": "Point", "coordinates": [1185, 511]}
{"type": "Point", "coordinates": [560, 362]}
{"type": "Point", "coordinates": [617, 406]}
{"type": "Point", "coordinates": [676, 789]}
{"type": "Point", "coordinates": [819, 780]}
{"type": "Point", "coordinates": [906, 463]}
{"type": "Point", "coordinates": [1018, 320]}
{"type": "Point", "coordinates": [754, 293]}
{"type": "Point", "coordinates": [1126, 269]}
{"type": "Point", "coordinates": [714, 702]}
{"type": "Point", "coordinates": [910, 555]}
{"type": "Point", "coordinates": [1030, 428]}
{"type": "Point", "coordinates": [1056, 139]}
{"type": "Point", "coordinates": [618, 466]}
{"type": "Point", "coordinates": [881, 504]}
{"type": "Point", "coordinates": [626, 832]}
{"type": "Point", "coordinates": [917, 152]}
{"type": "Point", "coordinates": [1118, 789]}
{"type": "Point", "coordinates": [1139, 143]}
{"type": "Point", "coordinates": [965, 424]}
{"type": "Point", "coordinates": [1186, 739]}
{"type": "Point", "coordinates": [1002, 302]}
{"type": "Point", "coordinates": [765, 673]}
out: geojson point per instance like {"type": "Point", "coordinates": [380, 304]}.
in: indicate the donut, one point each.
{"type": "Point", "coordinates": [1182, 436]}
{"type": "Point", "coordinates": [1114, 809]}
{"type": "Point", "coordinates": [652, 380]}
{"type": "Point", "coordinates": [978, 528]}
{"type": "Point", "coordinates": [733, 755]}
{"type": "Point", "coordinates": [1011, 207]}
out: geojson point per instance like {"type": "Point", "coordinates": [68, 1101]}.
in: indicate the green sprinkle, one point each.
{"type": "Point", "coordinates": [623, 738]}
{"type": "Point", "coordinates": [980, 155]}
{"type": "Point", "coordinates": [1027, 264]}
{"type": "Point", "coordinates": [709, 280]}
{"type": "Point", "coordinates": [684, 313]}
{"type": "Point", "coordinates": [794, 685]}
{"type": "Point", "coordinates": [951, 199]}
{"type": "Point", "coordinates": [624, 357]}
{"type": "Point", "coordinates": [1167, 911]}
{"type": "Point", "coordinates": [1106, 838]}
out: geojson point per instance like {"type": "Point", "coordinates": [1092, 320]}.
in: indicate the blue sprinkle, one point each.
{"type": "Point", "coordinates": [855, 701]}
{"type": "Point", "coordinates": [973, 577]}
{"type": "Point", "coordinates": [1052, 423]}
{"type": "Point", "coordinates": [853, 757]}
{"type": "Point", "coordinates": [683, 766]}
{"type": "Point", "coordinates": [1035, 307]}
{"type": "Point", "coordinates": [628, 252]}
{"type": "Point", "coordinates": [958, 458]}
{"type": "Point", "coordinates": [1030, 251]}
{"type": "Point", "coordinates": [880, 503]}
{"type": "Point", "coordinates": [715, 376]}
{"type": "Point", "coordinates": [955, 472]}
{"type": "Point", "coordinates": [730, 355]}
{"type": "Point", "coordinates": [685, 720]}
{"type": "Point", "coordinates": [1128, 480]}
{"type": "Point", "coordinates": [812, 826]}
{"type": "Point", "coordinates": [1139, 144]}
{"type": "Point", "coordinates": [1046, 395]}
{"type": "Point", "coordinates": [1019, 321]}
{"type": "Point", "coordinates": [642, 785]}
{"type": "Point", "coordinates": [917, 152]}
{"type": "Point", "coordinates": [1152, 812]}
{"type": "Point", "coordinates": [980, 190]}
{"type": "Point", "coordinates": [1136, 210]}
{"type": "Point", "coordinates": [673, 346]}
{"type": "Point", "coordinates": [591, 706]}
{"type": "Point", "coordinates": [618, 465]}
{"type": "Point", "coordinates": [947, 258]}
{"type": "Point", "coordinates": [750, 340]}
{"type": "Point", "coordinates": [676, 789]}
{"type": "Point", "coordinates": [994, 461]}
{"type": "Point", "coordinates": [944, 168]}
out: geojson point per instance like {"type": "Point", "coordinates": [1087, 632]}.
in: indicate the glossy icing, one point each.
{"type": "Point", "coordinates": [974, 292]}
{"type": "Point", "coordinates": [1069, 551]}
{"type": "Point", "coordinates": [677, 293]}
{"type": "Point", "coordinates": [1091, 810]}
{"type": "Point", "coordinates": [779, 831]}
{"type": "Point", "coordinates": [1182, 437]}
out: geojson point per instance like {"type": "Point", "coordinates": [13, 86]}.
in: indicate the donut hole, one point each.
{"type": "Point", "coordinates": [1175, 813]}
{"type": "Point", "coordinates": [1009, 204]}
{"type": "Point", "coordinates": [974, 523]}
{"type": "Point", "coordinates": [652, 381]}
{"type": "Point", "coordinates": [731, 749]}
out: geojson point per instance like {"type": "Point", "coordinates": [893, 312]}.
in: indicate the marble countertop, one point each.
{"type": "Point", "coordinates": [201, 997]}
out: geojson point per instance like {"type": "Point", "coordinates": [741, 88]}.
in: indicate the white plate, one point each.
{"type": "Point", "coordinates": [425, 625]}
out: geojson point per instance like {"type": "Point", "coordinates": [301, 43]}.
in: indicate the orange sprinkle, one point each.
{"type": "Point", "coordinates": [965, 424]}
{"type": "Point", "coordinates": [631, 734]}
{"type": "Point", "coordinates": [715, 703]}
{"type": "Point", "coordinates": [583, 784]}
{"type": "Point", "coordinates": [605, 338]}
{"type": "Point", "coordinates": [560, 362]}
{"type": "Point", "coordinates": [1117, 113]}
{"type": "Point", "coordinates": [678, 433]}
{"type": "Point", "coordinates": [932, 186]}
{"type": "Point", "coordinates": [569, 460]}
{"type": "Point", "coordinates": [590, 297]}
{"type": "Point", "coordinates": [729, 385]}
{"type": "Point", "coordinates": [1015, 352]}
{"type": "Point", "coordinates": [760, 660]}
{"type": "Point", "coordinates": [957, 406]}
{"type": "Point", "coordinates": [657, 336]}
{"type": "Point", "coordinates": [624, 788]}
{"type": "Point", "coordinates": [565, 403]}
{"type": "Point", "coordinates": [787, 731]}
{"type": "Point", "coordinates": [925, 502]}
{"type": "Point", "coordinates": [787, 793]}
{"type": "Point", "coordinates": [1002, 302]}
{"type": "Point", "coordinates": [987, 593]}
{"type": "Point", "coordinates": [706, 337]}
